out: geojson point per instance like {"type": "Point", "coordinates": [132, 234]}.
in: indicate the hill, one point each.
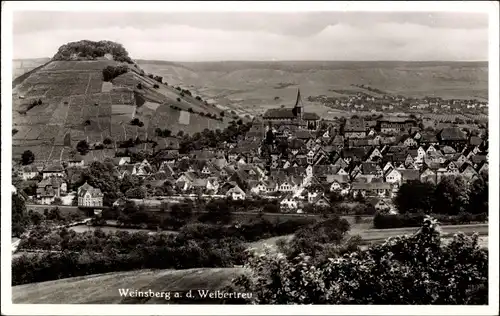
{"type": "Point", "coordinates": [77, 104]}
{"type": "Point", "coordinates": [255, 86]}
{"type": "Point", "coordinates": [103, 288]}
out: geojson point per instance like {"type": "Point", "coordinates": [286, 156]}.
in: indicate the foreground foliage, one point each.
{"type": "Point", "coordinates": [416, 269]}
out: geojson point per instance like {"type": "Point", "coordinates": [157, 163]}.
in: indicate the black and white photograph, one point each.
{"type": "Point", "coordinates": [212, 155]}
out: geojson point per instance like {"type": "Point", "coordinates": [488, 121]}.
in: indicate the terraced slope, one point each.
{"type": "Point", "coordinates": [77, 104]}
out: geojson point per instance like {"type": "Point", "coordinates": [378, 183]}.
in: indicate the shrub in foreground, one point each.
{"type": "Point", "coordinates": [407, 270]}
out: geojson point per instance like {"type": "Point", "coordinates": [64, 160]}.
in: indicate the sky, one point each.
{"type": "Point", "coordinates": [214, 36]}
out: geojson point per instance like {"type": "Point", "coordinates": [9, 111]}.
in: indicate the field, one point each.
{"type": "Point", "coordinates": [76, 102]}
{"type": "Point", "coordinates": [103, 289]}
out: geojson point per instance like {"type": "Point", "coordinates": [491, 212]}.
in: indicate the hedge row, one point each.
{"type": "Point", "coordinates": [382, 221]}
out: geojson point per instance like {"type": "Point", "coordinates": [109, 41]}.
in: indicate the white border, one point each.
{"type": "Point", "coordinates": [456, 6]}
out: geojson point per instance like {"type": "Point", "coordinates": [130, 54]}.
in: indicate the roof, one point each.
{"type": "Point", "coordinates": [369, 168]}
{"type": "Point", "coordinates": [393, 119]}
{"type": "Point", "coordinates": [279, 113]}
{"type": "Point", "coordinates": [476, 141]}
{"type": "Point", "coordinates": [448, 150]}
{"type": "Point", "coordinates": [352, 152]}
{"type": "Point", "coordinates": [302, 134]}
{"type": "Point", "coordinates": [76, 157]}
{"type": "Point", "coordinates": [478, 158]}
{"type": "Point", "coordinates": [57, 167]}
{"type": "Point", "coordinates": [427, 137]}
{"type": "Point", "coordinates": [309, 116]}
{"type": "Point", "coordinates": [94, 192]}
{"type": "Point", "coordinates": [452, 133]}
{"type": "Point", "coordinates": [371, 186]}
{"type": "Point", "coordinates": [410, 174]}
{"type": "Point", "coordinates": [355, 125]}
{"type": "Point", "coordinates": [54, 182]}
{"type": "Point", "coordinates": [30, 168]}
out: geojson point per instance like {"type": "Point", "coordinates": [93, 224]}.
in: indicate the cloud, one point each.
{"type": "Point", "coordinates": [259, 36]}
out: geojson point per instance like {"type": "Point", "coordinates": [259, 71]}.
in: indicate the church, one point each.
{"type": "Point", "coordinates": [294, 116]}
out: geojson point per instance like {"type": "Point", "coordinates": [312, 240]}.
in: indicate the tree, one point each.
{"type": "Point", "coordinates": [221, 113]}
{"type": "Point", "coordinates": [20, 218]}
{"type": "Point", "coordinates": [451, 195]}
{"type": "Point", "coordinates": [57, 201]}
{"type": "Point", "coordinates": [414, 197]}
{"type": "Point", "coordinates": [218, 212]}
{"type": "Point", "coordinates": [181, 214]}
{"type": "Point", "coordinates": [82, 147]}
{"type": "Point", "coordinates": [478, 197]}
{"type": "Point", "coordinates": [27, 157]}
{"type": "Point", "coordinates": [107, 141]}
{"type": "Point", "coordinates": [136, 193]}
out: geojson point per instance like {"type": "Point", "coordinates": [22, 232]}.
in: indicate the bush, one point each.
{"type": "Point", "coordinates": [27, 157]}
{"type": "Point", "coordinates": [136, 122]}
{"type": "Point", "coordinates": [109, 73]}
{"type": "Point", "coordinates": [405, 270]}
{"type": "Point", "coordinates": [178, 99]}
{"type": "Point", "coordinates": [156, 86]}
{"type": "Point", "coordinates": [383, 221]}
{"type": "Point", "coordinates": [139, 85]}
{"type": "Point", "coordinates": [107, 141]}
{"type": "Point", "coordinates": [99, 252]}
{"type": "Point", "coordinates": [82, 147]}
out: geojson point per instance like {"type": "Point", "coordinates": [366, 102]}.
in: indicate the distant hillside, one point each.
{"type": "Point", "coordinates": [255, 86]}
{"type": "Point", "coordinates": [22, 66]}
{"type": "Point", "coordinates": [77, 104]}
{"type": "Point", "coordinates": [103, 288]}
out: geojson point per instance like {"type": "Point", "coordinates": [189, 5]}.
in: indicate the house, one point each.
{"type": "Point", "coordinates": [468, 172]}
{"type": "Point", "coordinates": [89, 196]}
{"type": "Point", "coordinates": [29, 172]}
{"type": "Point", "coordinates": [55, 170]}
{"type": "Point", "coordinates": [143, 168]}
{"type": "Point", "coordinates": [452, 136]}
{"type": "Point", "coordinates": [395, 124]}
{"type": "Point", "coordinates": [185, 180]}
{"type": "Point", "coordinates": [355, 128]}
{"type": "Point", "coordinates": [428, 175]}
{"type": "Point", "coordinates": [371, 168]}
{"type": "Point", "coordinates": [207, 185]}
{"type": "Point", "coordinates": [320, 201]}
{"type": "Point", "coordinates": [236, 193]}
{"type": "Point", "coordinates": [289, 202]}
{"type": "Point", "coordinates": [408, 175]}
{"type": "Point", "coordinates": [428, 138]}
{"type": "Point", "coordinates": [371, 189]}
{"type": "Point", "coordinates": [393, 176]}
{"type": "Point", "coordinates": [410, 142]}
{"type": "Point", "coordinates": [375, 155]}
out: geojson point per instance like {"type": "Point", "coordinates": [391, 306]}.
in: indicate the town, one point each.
{"type": "Point", "coordinates": [288, 155]}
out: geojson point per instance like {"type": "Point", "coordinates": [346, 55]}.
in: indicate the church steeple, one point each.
{"type": "Point", "coordinates": [297, 109]}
